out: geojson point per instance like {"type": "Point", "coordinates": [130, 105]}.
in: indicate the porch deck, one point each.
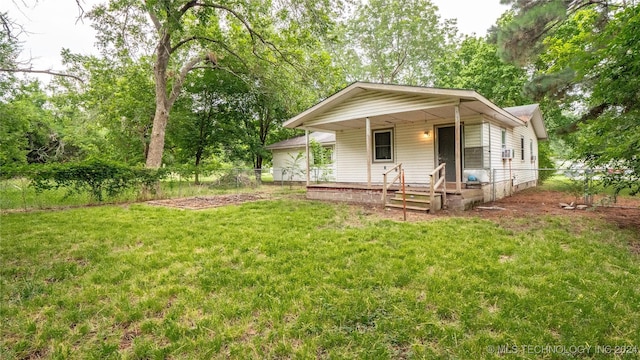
{"type": "Point", "coordinates": [362, 193]}
{"type": "Point", "coordinates": [451, 187]}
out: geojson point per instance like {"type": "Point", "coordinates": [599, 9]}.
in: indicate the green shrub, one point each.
{"type": "Point", "coordinates": [545, 154]}
{"type": "Point", "coordinates": [98, 177]}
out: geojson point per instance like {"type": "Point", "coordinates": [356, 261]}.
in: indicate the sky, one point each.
{"type": "Point", "coordinates": [53, 25]}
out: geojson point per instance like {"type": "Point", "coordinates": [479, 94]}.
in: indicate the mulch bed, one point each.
{"type": "Point", "coordinates": [207, 202]}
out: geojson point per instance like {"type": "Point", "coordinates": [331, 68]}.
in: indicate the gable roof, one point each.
{"type": "Point", "coordinates": [299, 141]}
{"type": "Point", "coordinates": [389, 103]}
{"type": "Point", "coordinates": [530, 114]}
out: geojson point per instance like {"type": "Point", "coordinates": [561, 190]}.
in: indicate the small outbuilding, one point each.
{"type": "Point", "coordinates": [289, 160]}
{"type": "Point", "coordinates": [454, 146]}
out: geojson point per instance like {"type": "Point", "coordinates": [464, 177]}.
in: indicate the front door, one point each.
{"type": "Point", "coordinates": [446, 137]}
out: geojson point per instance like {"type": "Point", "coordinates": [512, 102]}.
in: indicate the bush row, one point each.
{"type": "Point", "coordinates": [98, 177]}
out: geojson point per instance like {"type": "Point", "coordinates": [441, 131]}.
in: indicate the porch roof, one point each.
{"type": "Point", "coordinates": [301, 141]}
{"type": "Point", "coordinates": [386, 104]}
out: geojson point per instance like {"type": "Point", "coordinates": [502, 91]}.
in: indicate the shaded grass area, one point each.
{"type": "Point", "coordinates": [577, 186]}
{"type": "Point", "coordinates": [303, 279]}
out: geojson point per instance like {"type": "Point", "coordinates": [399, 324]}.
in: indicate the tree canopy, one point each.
{"type": "Point", "coordinates": [584, 56]}
{"type": "Point", "coordinates": [397, 41]}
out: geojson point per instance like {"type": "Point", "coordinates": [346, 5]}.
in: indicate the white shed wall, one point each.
{"type": "Point", "coordinates": [283, 160]}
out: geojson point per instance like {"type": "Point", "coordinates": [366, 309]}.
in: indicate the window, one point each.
{"type": "Point", "coordinates": [504, 139]}
{"type": "Point", "coordinates": [522, 148]}
{"type": "Point", "coordinates": [533, 157]}
{"type": "Point", "coordinates": [383, 145]}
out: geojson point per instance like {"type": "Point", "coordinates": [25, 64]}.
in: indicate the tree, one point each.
{"type": "Point", "coordinates": [475, 64]}
{"type": "Point", "coordinates": [192, 33]}
{"type": "Point", "coordinates": [113, 104]}
{"type": "Point", "coordinates": [260, 112]}
{"type": "Point", "coordinates": [197, 129]}
{"type": "Point", "coordinates": [395, 41]}
{"type": "Point", "coordinates": [30, 131]}
{"type": "Point", "coordinates": [585, 57]}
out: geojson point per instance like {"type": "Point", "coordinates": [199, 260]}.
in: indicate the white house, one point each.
{"type": "Point", "coordinates": [290, 158]}
{"type": "Point", "coordinates": [386, 129]}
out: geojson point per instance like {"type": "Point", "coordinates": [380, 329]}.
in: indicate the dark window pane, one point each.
{"type": "Point", "coordinates": [383, 153]}
{"type": "Point", "coordinates": [383, 138]}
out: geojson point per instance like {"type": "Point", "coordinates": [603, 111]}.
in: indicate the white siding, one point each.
{"type": "Point", "coordinates": [283, 159]}
{"type": "Point", "coordinates": [486, 142]}
{"type": "Point", "coordinates": [416, 153]}
{"type": "Point", "coordinates": [351, 156]}
{"type": "Point", "coordinates": [373, 103]}
{"type": "Point", "coordinates": [520, 170]}
{"type": "Point", "coordinates": [524, 167]}
{"type": "Point", "coordinates": [282, 165]}
{"type": "Point", "coordinates": [411, 148]}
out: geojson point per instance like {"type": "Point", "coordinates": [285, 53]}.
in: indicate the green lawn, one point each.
{"type": "Point", "coordinates": [301, 279]}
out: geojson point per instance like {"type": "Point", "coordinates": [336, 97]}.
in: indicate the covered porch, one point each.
{"type": "Point", "coordinates": [380, 126]}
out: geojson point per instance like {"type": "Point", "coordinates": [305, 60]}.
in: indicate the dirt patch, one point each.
{"type": "Point", "coordinates": [206, 202]}
{"type": "Point", "coordinates": [529, 203]}
{"type": "Point", "coordinates": [535, 202]}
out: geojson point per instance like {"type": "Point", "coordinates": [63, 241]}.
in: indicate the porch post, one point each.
{"type": "Point", "coordinates": [458, 144]}
{"type": "Point", "coordinates": [306, 148]}
{"type": "Point", "coordinates": [369, 150]}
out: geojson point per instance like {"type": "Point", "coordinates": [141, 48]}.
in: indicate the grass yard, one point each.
{"type": "Point", "coordinates": [300, 279]}
{"type": "Point", "coordinates": [18, 194]}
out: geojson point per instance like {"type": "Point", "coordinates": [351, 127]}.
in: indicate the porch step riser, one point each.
{"type": "Point", "coordinates": [415, 200]}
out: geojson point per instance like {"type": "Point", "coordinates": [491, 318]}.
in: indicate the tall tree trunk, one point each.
{"type": "Point", "coordinates": [156, 145]}
{"type": "Point", "coordinates": [161, 117]}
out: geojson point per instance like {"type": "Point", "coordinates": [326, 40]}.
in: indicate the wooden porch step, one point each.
{"type": "Point", "coordinates": [418, 193]}
{"type": "Point", "coordinates": [414, 208]}
{"type": "Point", "coordinates": [410, 200]}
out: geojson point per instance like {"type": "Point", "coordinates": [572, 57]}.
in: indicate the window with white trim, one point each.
{"type": "Point", "coordinates": [383, 145]}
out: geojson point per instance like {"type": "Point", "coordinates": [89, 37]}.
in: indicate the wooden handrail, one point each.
{"type": "Point", "coordinates": [397, 168]}
{"type": "Point", "coordinates": [438, 179]}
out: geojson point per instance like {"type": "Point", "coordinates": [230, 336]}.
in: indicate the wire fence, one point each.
{"type": "Point", "coordinates": [588, 185]}
{"type": "Point", "coordinates": [19, 193]}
